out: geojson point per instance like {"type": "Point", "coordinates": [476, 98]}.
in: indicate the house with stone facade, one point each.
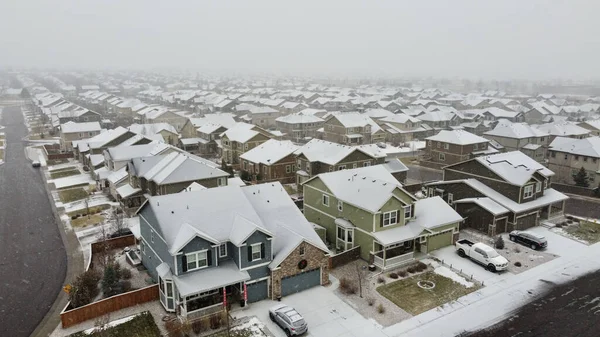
{"type": "Point", "coordinates": [368, 209]}
{"type": "Point", "coordinates": [262, 248]}
{"type": "Point", "coordinates": [320, 156]}
{"type": "Point", "coordinates": [452, 146]}
{"type": "Point", "coordinates": [499, 193]}
{"type": "Point", "coordinates": [273, 160]}
{"type": "Point", "coordinates": [520, 137]}
{"type": "Point", "coordinates": [566, 157]}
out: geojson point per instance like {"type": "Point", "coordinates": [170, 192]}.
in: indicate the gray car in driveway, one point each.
{"type": "Point", "coordinates": [288, 319]}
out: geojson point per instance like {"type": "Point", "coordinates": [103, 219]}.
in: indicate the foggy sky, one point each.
{"type": "Point", "coordinates": [506, 39]}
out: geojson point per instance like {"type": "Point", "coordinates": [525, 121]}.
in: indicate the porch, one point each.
{"type": "Point", "coordinates": [394, 255]}
{"type": "Point", "coordinates": [553, 210]}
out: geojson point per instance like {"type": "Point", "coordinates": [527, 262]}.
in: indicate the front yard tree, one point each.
{"type": "Point", "coordinates": [359, 276]}
{"type": "Point", "coordinates": [581, 178]}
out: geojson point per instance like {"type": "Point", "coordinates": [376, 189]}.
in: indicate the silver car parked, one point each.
{"type": "Point", "coordinates": [288, 319]}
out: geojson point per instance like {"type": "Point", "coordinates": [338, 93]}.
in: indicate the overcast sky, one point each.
{"type": "Point", "coordinates": [534, 39]}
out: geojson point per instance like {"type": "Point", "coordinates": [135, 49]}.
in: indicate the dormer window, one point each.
{"type": "Point", "coordinates": [407, 212]}
{"type": "Point", "coordinates": [528, 191]}
{"type": "Point", "coordinates": [538, 187]}
{"type": "Point", "coordinates": [390, 218]}
{"type": "Point", "coordinates": [197, 260]}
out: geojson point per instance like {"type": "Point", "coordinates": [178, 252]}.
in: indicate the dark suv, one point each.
{"type": "Point", "coordinates": [529, 239]}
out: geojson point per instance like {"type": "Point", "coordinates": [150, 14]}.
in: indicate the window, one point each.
{"type": "Point", "coordinates": [594, 160]}
{"type": "Point", "coordinates": [308, 167]}
{"type": "Point", "coordinates": [330, 168]}
{"type": "Point", "coordinates": [196, 260]}
{"type": "Point", "coordinates": [566, 156]}
{"type": "Point", "coordinates": [326, 200]}
{"type": "Point", "coordinates": [446, 146]}
{"type": "Point", "coordinates": [367, 163]}
{"type": "Point", "coordinates": [294, 167]}
{"type": "Point", "coordinates": [142, 247]}
{"type": "Point", "coordinates": [246, 146]}
{"type": "Point", "coordinates": [439, 145]}
{"type": "Point", "coordinates": [256, 251]}
{"type": "Point", "coordinates": [354, 165]}
{"type": "Point", "coordinates": [576, 157]}
{"type": "Point", "coordinates": [528, 192]}
{"type": "Point", "coordinates": [585, 158]}
{"type": "Point", "coordinates": [407, 212]}
{"type": "Point", "coordinates": [301, 250]}
{"type": "Point", "coordinates": [553, 154]}
{"type": "Point", "coordinates": [223, 250]}
{"type": "Point", "coordinates": [450, 198]}
{"type": "Point", "coordinates": [390, 218]}
{"type": "Point", "coordinates": [345, 234]}
{"type": "Point", "coordinates": [475, 146]}
{"type": "Point", "coordinates": [429, 143]}
{"type": "Point", "coordinates": [221, 181]}
{"type": "Point", "coordinates": [245, 166]}
{"type": "Point", "coordinates": [340, 205]}
{"type": "Point", "coordinates": [299, 163]}
{"type": "Point", "coordinates": [288, 169]}
{"type": "Point", "coordinates": [442, 156]}
{"type": "Point", "coordinates": [341, 167]}
{"type": "Point", "coordinates": [152, 236]}
{"type": "Point", "coordinates": [538, 187]}
{"type": "Point", "coordinates": [545, 183]}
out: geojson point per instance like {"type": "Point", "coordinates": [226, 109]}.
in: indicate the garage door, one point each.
{"type": "Point", "coordinates": [439, 240]}
{"type": "Point", "coordinates": [299, 282]}
{"type": "Point", "coordinates": [527, 221]}
{"type": "Point", "coordinates": [257, 291]}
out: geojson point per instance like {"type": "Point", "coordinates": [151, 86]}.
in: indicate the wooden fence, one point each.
{"type": "Point", "coordinates": [53, 152]}
{"type": "Point", "coordinates": [120, 242]}
{"type": "Point", "coordinates": [572, 189]}
{"type": "Point", "coordinates": [108, 305]}
{"type": "Point", "coordinates": [344, 257]}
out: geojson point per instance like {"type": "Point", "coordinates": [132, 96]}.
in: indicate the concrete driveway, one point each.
{"type": "Point", "coordinates": [325, 313]}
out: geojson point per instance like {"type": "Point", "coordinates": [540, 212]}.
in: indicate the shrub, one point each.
{"type": "Point", "coordinates": [402, 273]}
{"type": "Point", "coordinates": [380, 308]}
{"type": "Point", "coordinates": [499, 243]}
{"type": "Point", "coordinates": [126, 274]}
{"type": "Point", "coordinates": [380, 279]}
{"type": "Point", "coordinates": [517, 250]}
{"type": "Point", "coordinates": [85, 288]}
{"type": "Point", "coordinates": [173, 327]}
{"type": "Point", "coordinates": [569, 217]}
{"type": "Point", "coordinates": [344, 284]}
{"type": "Point", "coordinates": [393, 275]}
{"type": "Point", "coordinates": [559, 225]}
{"type": "Point", "coordinates": [110, 281]}
{"type": "Point", "coordinates": [569, 221]}
{"type": "Point", "coordinates": [215, 321]}
{"type": "Point", "coordinates": [518, 264]}
{"type": "Point", "coordinates": [421, 266]}
{"type": "Point", "coordinates": [124, 286]}
{"type": "Point", "coordinates": [74, 217]}
{"type": "Point", "coordinates": [370, 301]}
{"type": "Point", "coordinates": [352, 290]}
{"type": "Point", "coordinates": [411, 270]}
{"type": "Point", "coordinates": [199, 326]}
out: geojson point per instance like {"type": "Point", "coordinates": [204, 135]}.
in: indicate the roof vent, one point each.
{"type": "Point", "coordinates": [172, 212]}
{"type": "Point", "coordinates": [157, 203]}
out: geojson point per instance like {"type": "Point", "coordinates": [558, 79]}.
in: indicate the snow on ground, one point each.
{"type": "Point", "coordinates": [447, 273]}
{"type": "Point", "coordinates": [72, 181]}
{"type": "Point", "coordinates": [94, 200]}
{"type": "Point", "coordinates": [564, 233]}
{"type": "Point", "coordinates": [111, 324]}
{"type": "Point", "coordinates": [253, 325]}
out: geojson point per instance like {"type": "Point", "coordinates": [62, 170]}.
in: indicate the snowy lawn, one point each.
{"type": "Point", "coordinates": [64, 173]}
{"type": "Point", "coordinates": [72, 195]}
{"type": "Point", "coordinates": [57, 161]}
{"type": "Point", "coordinates": [141, 325]}
{"type": "Point", "coordinates": [588, 231]}
{"type": "Point", "coordinates": [84, 221]}
{"type": "Point", "coordinates": [251, 328]}
{"type": "Point", "coordinates": [408, 295]}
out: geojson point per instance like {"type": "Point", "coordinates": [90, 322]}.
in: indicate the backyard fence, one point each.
{"type": "Point", "coordinates": [116, 243]}
{"type": "Point", "coordinates": [53, 152]}
{"type": "Point", "coordinates": [572, 189]}
{"type": "Point", "coordinates": [108, 305]}
{"type": "Point", "coordinates": [344, 257]}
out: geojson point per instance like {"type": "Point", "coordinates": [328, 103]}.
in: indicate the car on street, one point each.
{"type": "Point", "coordinates": [529, 239]}
{"type": "Point", "coordinates": [36, 163]}
{"type": "Point", "coordinates": [482, 254]}
{"type": "Point", "coordinates": [292, 323]}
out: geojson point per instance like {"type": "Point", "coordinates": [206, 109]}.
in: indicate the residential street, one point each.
{"type": "Point", "coordinates": [32, 257]}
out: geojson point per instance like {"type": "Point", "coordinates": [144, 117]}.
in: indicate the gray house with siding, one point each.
{"type": "Point", "coordinates": [249, 243]}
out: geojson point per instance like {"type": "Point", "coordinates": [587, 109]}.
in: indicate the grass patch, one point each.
{"type": "Point", "coordinates": [142, 325]}
{"type": "Point", "coordinates": [408, 160]}
{"type": "Point", "coordinates": [64, 173]}
{"type": "Point", "coordinates": [56, 161]}
{"type": "Point", "coordinates": [415, 300]}
{"type": "Point", "coordinates": [586, 230]}
{"type": "Point", "coordinates": [68, 168]}
{"type": "Point", "coordinates": [93, 210]}
{"type": "Point", "coordinates": [72, 194]}
{"type": "Point", "coordinates": [84, 221]}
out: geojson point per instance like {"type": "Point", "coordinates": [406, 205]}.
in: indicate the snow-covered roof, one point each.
{"type": "Point", "coordinates": [117, 175]}
{"type": "Point", "coordinates": [515, 167]}
{"type": "Point", "coordinates": [127, 190]}
{"type": "Point", "coordinates": [299, 118]}
{"type": "Point", "coordinates": [459, 137]}
{"type": "Point", "coordinates": [400, 118]}
{"type": "Point", "coordinates": [355, 119]}
{"type": "Point", "coordinates": [241, 132]}
{"type": "Point", "coordinates": [444, 214]}
{"type": "Point", "coordinates": [589, 147]}
{"type": "Point", "coordinates": [485, 203]}
{"type": "Point", "coordinates": [508, 129]}
{"type": "Point", "coordinates": [151, 129]}
{"type": "Point", "coordinates": [331, 153]}
{"type": "Point", "coordinates": [563, 129]}
{"type": "Point", "coordinates": [179, 167]}
{"type": "Point", "coordinates": [134, 151]}
{"type": "Point", "coordinates": [378, 113]}
{"type": "Point", "coordinates": [270, 152]}
{"type": "Point", "coordinates": [72, 127]}
{"type": "Point", "coordinates": [209, 279]}
{"type": "Point", "coordinates": [395, 165]}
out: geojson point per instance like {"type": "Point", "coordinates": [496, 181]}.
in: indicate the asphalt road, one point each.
{"type": "Point", "coordinates": [570, 309]}
{"type": "Point", "coordinates": [33, 261]}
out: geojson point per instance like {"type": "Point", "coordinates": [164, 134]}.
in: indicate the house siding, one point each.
{"type": "Point", "coordinates": [256, 237]}
{"type": "Point", "coordinates": [195, 245]}
{"type": "Point", "coordinates": [149, 258]}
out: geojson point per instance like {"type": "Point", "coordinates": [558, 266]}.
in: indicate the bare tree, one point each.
{"type": "Point", "coordinates": [86, 203]}
{"type": "Point", "coordinates": [359, 276]}
{"type": "Point", "coordinates": [118, 217]}
{"type": "Point", "coordinates": [103, 253]}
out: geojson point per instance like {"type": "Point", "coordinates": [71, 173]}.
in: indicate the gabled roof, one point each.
{"type": "Point", "coordinates": [332, 153]}
{"type": "Point", "coordinates": [485, 203]}
{"type": "Point", "coordinates": [270, 152]}
{"type": "Point", "coordinates": [563, 129]}
{"type": "Point", "coordinates": [240, 132]}
{"type": "Point", "coordinates": [72, 127]}
{"type": "Point", "coordinates": [179, 167]}
{"type": "Point", "coordinates": [584, 147]}
{"type": "Point", "coordinates": [514, 167]}
{"type": "Point", "coordinates": [298, 118]}
{"type": "Point", "coordinates": [508, 129]}
{"type": "Point", "coordinates": [400, 118]}
{"type": "Point", "coordinates": [135, 151]}
{"type": "Point", "coordinates": [151, 129]}
{"type": "Point", "coordinates": [355, 119]}
{"type": "Point", "coordinates": [459, 137]}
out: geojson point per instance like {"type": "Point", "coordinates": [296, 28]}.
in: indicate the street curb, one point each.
{"type": "Point", "coordinates": [75, 266]}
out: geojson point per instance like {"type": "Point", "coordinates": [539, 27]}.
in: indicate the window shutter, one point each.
{"type": "Point", "coordinates": [262, 250]}
{"type": "Point", "coordinates": [381, 220]}
{"type": "Point", "coordinates": [209, 257]}
{"type": "Point", "coordinates": [184, 263]}
{"type": "Point", "coordinates": [249, 253]}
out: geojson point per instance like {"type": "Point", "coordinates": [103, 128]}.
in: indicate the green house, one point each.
{"type": "Point", "coordinates": [367, 207]}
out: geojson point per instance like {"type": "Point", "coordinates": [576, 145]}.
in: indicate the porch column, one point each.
{"type": "Point", "coordinates": [549, 210]}
{"type": "Point", "coordinates": [384, 249]}
{"type": "Point", "coordinates": [563, 205]}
